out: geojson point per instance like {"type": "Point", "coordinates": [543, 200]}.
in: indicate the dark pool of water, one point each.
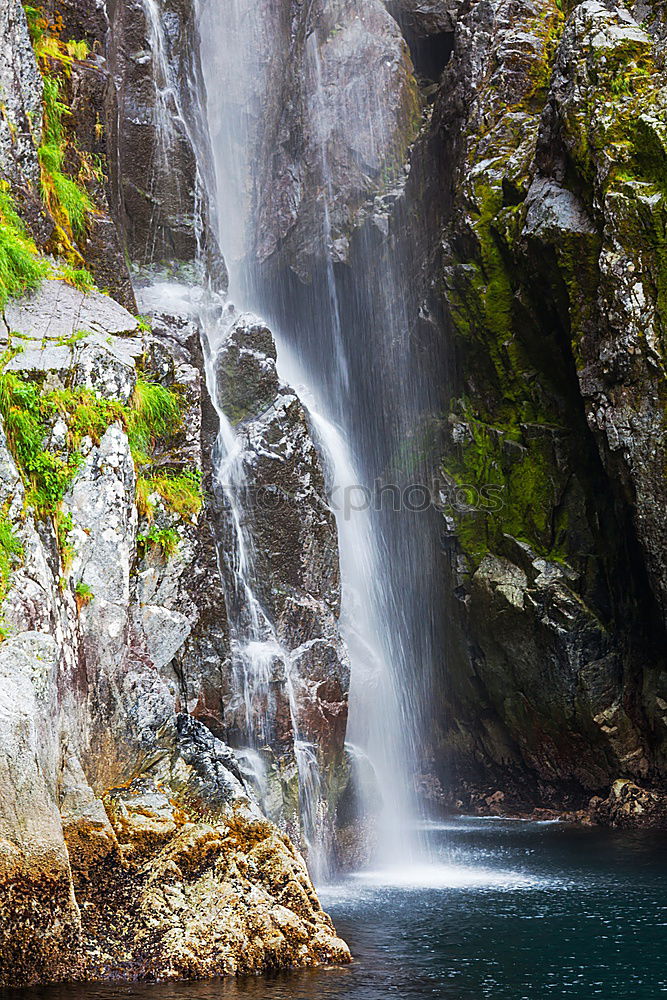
{"type": "Point", "coordinates": [508, 910]}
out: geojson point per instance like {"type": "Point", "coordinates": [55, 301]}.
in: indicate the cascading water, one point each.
{"type": "Point", "coordinates": [258, 658]}
{"type": "Point", "coordinates": [348, 336]}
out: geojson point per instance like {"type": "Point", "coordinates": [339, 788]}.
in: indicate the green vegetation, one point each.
{"type": "Point", "coordinates": [65, 169]}
{"type": "Point", "coordinates": [83, 594]}
{"type": "Point", "coordinates": [155, 413]}
{"type": "Point", "coordinates": [523, 467]}
{"type": "Point", "coordinates": [28, 414]}
{"type": "Point", "coordinates": [11, 551]}
{"type": "Point", "coordinates": [20, 267]}
{"type": "Point", "coordinates": [164, 541]}
{"type": "Point", "coordinates": [64, 524]}
{"type": "Point", "coordinates": [78, 277]}
{"type": "Point", "coordinates": [25, 413]}
{"type": "Point", "coordinates": [144, 324]}
{"type": "Point", "coordinates": [66, 198]}
{"type": "Point", "coordinates": [182, 493]}
{"type": "Point", "coordinates": [85, 413]}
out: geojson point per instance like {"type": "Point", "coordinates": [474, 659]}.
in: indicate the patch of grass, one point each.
{"type": "Point", "coordinates": [21, 269]}
{"type": "Point", "coordinates": [64, 526]}
{"type": "Point", "coordinates": [182, 492]}
{"type": "Point", "coordinates": [79, 278]}
{"type": "Point", "coordinates": [155, 413]}
{"type": "Point", "coordinates": [25, 414]}
{"type": "Point", "coordinates": [65, 169]}
{"type": "Point", "coordinates": [145, 505]}
{"type": "Point", "coordinates": [11, 550]}
{"type": "Point", "coordinates": [164, 541]}
{"type": "Point", "coordinates": [67, 199]}
{"type": "Point", "coordinates": [85, 413]}
{"type": "Point", "coordinates": [83, 595]}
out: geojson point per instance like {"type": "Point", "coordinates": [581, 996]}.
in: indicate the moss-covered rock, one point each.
{"type": "Point", "coordinates": [552, 279]}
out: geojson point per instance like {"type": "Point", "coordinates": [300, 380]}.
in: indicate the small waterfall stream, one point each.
{"type": "Point", "coordinates": [258, 657]}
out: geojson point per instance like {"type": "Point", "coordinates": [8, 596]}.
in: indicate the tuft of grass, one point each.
{"type": "Point", "coordinates": [182, 492]}
{"type": "Point", "coordinates": [21, 269]}
{"type": "Point", "coordinates": [145, 505]}
{"type": "Point", "coordinates": [11, 550]}
{"type": "Point", "coordinates": [164, 541]}
{"type": "Point", "coordinates": [79, 278]}
{"type": "Point", "coordinates": [67, 199]}
{"type": "Point", "coordinates": [83, 595]}
{"type": "Point", "coordinates": [64, 525]}
{"type": "Point", "coordinates": [155, 413]}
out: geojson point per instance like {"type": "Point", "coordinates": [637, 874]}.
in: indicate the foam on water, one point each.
{"type": "Point", "coordinates": [446, 876]}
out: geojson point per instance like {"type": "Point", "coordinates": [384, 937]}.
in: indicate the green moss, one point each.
{"type": "Point", "coordinates": [521, 467]}
{"type": "Point", "coordinates": [496, 291]}
{"type": "Point", "coordinates": [21, 268]}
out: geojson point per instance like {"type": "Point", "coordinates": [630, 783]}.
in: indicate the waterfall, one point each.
{"type": "Point", "coordinates": [258, 658]}
{"type": "Point", "coordinates": [346, 339]}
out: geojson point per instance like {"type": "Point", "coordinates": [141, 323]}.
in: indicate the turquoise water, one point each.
{"type": "Point", "coordinates": [509, 910]}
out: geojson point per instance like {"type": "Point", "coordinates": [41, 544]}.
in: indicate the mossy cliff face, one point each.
{"type": "Point", "coordinates": [552, 280]}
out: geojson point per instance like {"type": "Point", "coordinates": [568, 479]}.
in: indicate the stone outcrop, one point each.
{"type": "Point", "coordinates": [132, 844]}
{"type": "Point", "coordinates": [277, 481]}
{"type": "Point", "coordinates": [553, 300]}
{"type": "Point", "coordinates": [21, 117]}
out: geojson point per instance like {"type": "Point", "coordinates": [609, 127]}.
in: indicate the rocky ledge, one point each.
{"type": "Point", "coordinates": [131, 843]}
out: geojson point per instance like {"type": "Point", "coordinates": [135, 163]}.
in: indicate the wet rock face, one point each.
{"type": "Point", "coordinates": [552, 296]}
{"type": "Point", "coordinates": [343, 111]}
{"type": "Point", "coordinates": [292, 526]}
{"type": "Point", "coordinates": [154, 170]}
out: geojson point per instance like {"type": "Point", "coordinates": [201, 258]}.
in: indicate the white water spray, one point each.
{"type": "Point", "coordinates": [363, 419]}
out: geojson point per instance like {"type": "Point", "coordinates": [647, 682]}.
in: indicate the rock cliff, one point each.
{"type": "Point", "coordinates": [495, 172]}
{"type": "Point", "coordinates": [132, 843]}
{"type": "Point", "coordinates": [548, 119]}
